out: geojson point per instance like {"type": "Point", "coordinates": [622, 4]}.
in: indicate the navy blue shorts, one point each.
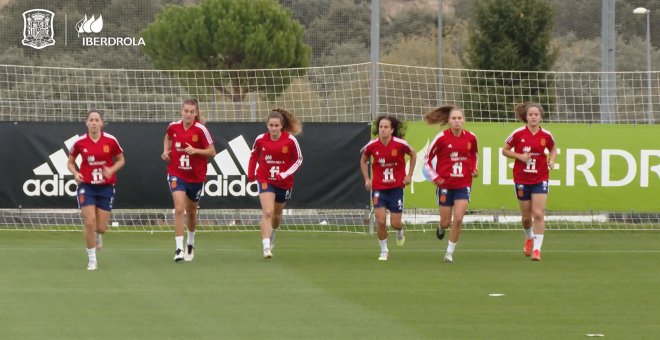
{"type": "Point", "coordinates": [524, 191]}
{"type": "Point", "coordinates": [99, 195]}
{"type": "Point", "coordinates": [193, 190]}
{"type": "Point", "coordinates": [391, 199]}
{"type": "Point", "coordinates": [281, 195]}
{"type": "Point", "coordinates": [446, 197]}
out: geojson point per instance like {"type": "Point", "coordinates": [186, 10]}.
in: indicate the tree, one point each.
{"type": "Point", "coordinates": [510, 35]}
{"type": "Point", "coordinates": [235, 37]}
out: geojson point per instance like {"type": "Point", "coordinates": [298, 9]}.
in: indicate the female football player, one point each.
{"type": "Point", "coordinates": [187, 146]}
{"type": "Point", "coordinates": [451, 163]}
{"type": "Point", "coordinates": [101, 158]}
{"type": "Point", "coordinates": [527, 145]}
{"type": "Point", "coordinates": [274, 159]}
{"type": "Point", "coordinates": [389, 176]}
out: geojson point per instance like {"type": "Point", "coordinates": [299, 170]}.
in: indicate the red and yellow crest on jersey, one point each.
{"type": "Point", "coordinates": [106, 148]}
{"type": "Point", "coordinates": [195, 138]}
{"type": "Point", "coordinates": [285, 149]}
{"type": "Point", "coordinates": [542, 141]}
{"type": "Point", "coordinates": [469, 146]}
{"type": "Point", "coordinates": [395, 152]}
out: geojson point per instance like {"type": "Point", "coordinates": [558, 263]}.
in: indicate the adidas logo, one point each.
{"type": "Point", "coordinates": [55, 168]}
{"type": "Point", "coordinates": [226, 175]}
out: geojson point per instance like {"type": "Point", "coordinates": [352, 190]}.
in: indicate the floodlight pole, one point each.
{"type": "Point", "coordinates": [649, 101]}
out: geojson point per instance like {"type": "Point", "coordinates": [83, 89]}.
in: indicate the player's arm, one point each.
{"type": "Point", "coordinates": [207, 152]}
{"type": "Point", "coordinates": [508, 152]}
{"type": "Point", "coordinates": [252, 164]}
{"type": "Point", "coordinates": [364, 168]}
{"type": "Point", "coordinates": [71, 165]}
{"type": "Point", "coordinates": [119, 163]}
{"type": "Point", "coordinates": [474, 155]}
{"type": "Point", "coordinates": [428, 170]}
{"type": "Point", "coordinates": [551, 157]}
{"type": "Point", "coordinates": [167, 143]}
{"type": "Point", "coordinates": [411, 168]}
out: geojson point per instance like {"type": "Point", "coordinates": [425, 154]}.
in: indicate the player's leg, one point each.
{"type": "Point", "coordinates": [445, 213]}
{"type": "Point", "coordinates": [395, 206]}
{"type": "Point", "coordinates": [267, 200]}
{"type": "Point", "coordinates": [179, 198]}
{"type": "Point", "coordinates": [460, 206]}
{"type": "Point", "coordinates": [102, 221]}
{"type": "Point", "coordinates": [277, 220]}
{"type": "Point", "coordinates": [88, 213]}
{"type": "Point", "coordinates": [104, 199]}
{"type": "Point", "coordinates": [538, 215]}
{"type": "Point", "coordinates": [523, 194]}
{"type": "Point", "coordinates": [397, 225]}
{"type": "Point", "coordinates": [381, 231]}
{"type": "Point", "coordinates": [191, 219]}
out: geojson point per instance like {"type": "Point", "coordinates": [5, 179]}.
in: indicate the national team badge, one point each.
{"type": "Point", "coordinates": [195, 138]}
{"type": "Point", "coordinates": [106, 148]}
{"type": "Point", "coordinates": [285, 149]}
{"type": "Point", "coordinates": [264, 185]}
{"type": "Point", "coordinates": [38, 28]}
{"type": "Point", "coordinates": [394, 152]}
{"type": "Point", "coordinates": [469, 146]}
{"type": "Point", "coordinates": [542, 141]}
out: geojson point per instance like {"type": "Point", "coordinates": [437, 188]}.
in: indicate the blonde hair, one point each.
{"type": "Point", "coordinates": [521, 110]}
{"type": "Point", "coordinates": [441, 115]}
{"type": "Point", "coordinates": [290, 122]}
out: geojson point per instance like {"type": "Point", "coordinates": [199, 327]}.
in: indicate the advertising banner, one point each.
{"type": "Point", "coordinates": [34, 172]}
{"type": "Point", "coordinates": [600, 167]}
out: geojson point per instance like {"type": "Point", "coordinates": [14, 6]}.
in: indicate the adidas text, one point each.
{"type": "Point", "coordinates": [223, 186]}
{"type": "Point", "coordinates": [55, 186]}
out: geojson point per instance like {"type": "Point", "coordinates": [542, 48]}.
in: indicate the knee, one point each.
{"type": "Point", "coordinates": [267, 214]}
{"type": "Point", "coordinates": [178, 211]}
{"type": "Point", "coordinates": [538, 214]}
{"type": "Point", "coordinates": [444, 223]}
{"type": "Point", "coordinates": [458, 221]}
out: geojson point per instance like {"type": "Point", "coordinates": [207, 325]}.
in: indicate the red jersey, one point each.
{"type": "Point", "coordinates": [535, 170]}
{"type": "Point", "coordinates": [389, 165]}
{"type": "Point", "coordinates": [455, 159]}
{"type": "Point", "coordinates": [96, 156]}
{"type": "Point", "coordinates": [190, 168]}
{"type": "Point", "coordinates": [275, 161]}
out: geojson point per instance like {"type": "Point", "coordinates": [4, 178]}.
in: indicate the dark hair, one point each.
{"type": "Point", "coordinates": [97, 111]}
{"type": "Point", "coordinates": [193, 101]}
{"type": "Point", "coordinates": [522, 108]}
{"type": "Point", "coordinates": [290, 122]}
{"type": "Point", "coordinates": [441, 114]}
{"type": "Point", "coordinates": [398, 126]}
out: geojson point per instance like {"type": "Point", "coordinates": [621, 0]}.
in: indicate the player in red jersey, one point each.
{"type": "Point", "coordinates": [187, 146]}
{"type": "Point", "coordinates": [451, 163]}
{"type": "Point", "coordinates": [274, 159]}
{"type": "Point", "coordinates": [101, 158]}
{"type": "Point", "coordinates": [527, 145]}
{"type": "Point", "coordinates": [389, 176]}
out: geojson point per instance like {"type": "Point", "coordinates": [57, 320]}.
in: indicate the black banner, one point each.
{"type": "Point", "coordinates": [34, 173]}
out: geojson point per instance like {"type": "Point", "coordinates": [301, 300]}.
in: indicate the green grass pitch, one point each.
{"type": "Point", "coordinates": [331, 286]}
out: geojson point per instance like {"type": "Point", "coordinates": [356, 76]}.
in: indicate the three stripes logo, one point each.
{"type": "Point", "coordinates": [53, 177]}
{"type": "Point", "coordinates": [227, 171]}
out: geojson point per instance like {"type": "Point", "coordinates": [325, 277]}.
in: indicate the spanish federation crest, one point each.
{"type": "Point", "coordinates": [38, 28]}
